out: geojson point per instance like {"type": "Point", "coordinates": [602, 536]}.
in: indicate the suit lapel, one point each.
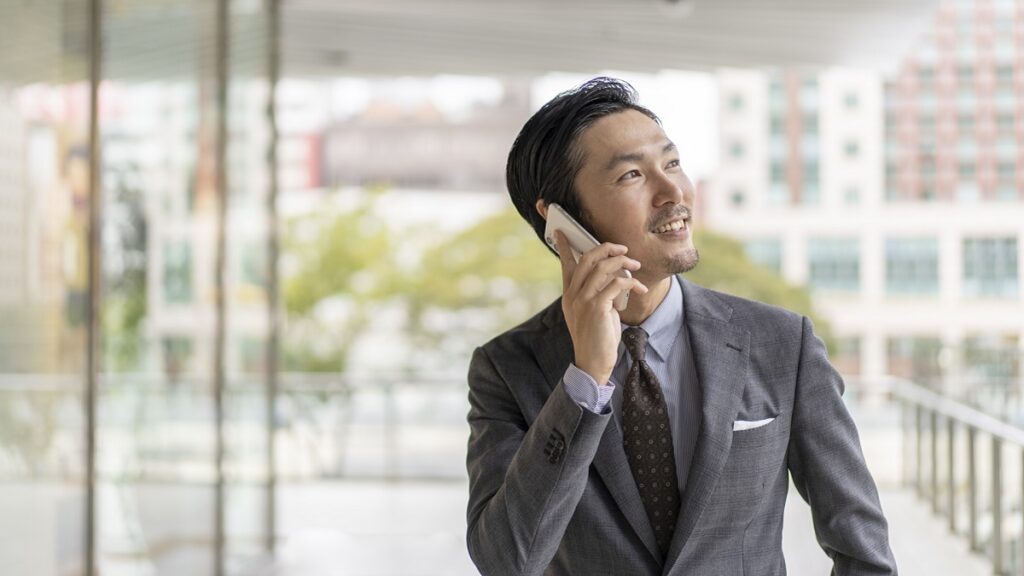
{"type": "Point", "coordinates": [720, 352]}
{"type": "Point", "coordinates": [554, 352]}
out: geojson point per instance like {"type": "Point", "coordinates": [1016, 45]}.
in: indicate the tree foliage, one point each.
{"type": "Point", "coordinates": [339, 261]}
{"type": "Point", "coordinates": [462, 291]}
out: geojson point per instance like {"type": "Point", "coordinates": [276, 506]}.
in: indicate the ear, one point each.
{"type": "Point", "coordinates": [542, 209]}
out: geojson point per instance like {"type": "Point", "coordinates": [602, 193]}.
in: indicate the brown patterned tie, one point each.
{"type": "Point", "coordinates": [648, 440]}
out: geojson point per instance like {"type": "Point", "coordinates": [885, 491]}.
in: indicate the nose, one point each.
{"type": "Point", "coordinates": [671, 188]}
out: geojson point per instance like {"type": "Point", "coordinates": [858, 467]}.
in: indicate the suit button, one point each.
{"type": "Point", "coordinates": [555, 447]}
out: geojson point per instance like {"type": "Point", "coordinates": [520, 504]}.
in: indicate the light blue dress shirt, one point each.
{"type": "Point", "coordinates": [668, 354]}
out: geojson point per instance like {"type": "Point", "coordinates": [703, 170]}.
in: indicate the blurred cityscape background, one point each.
{"type": "Point", "coordinates": [247, 247]}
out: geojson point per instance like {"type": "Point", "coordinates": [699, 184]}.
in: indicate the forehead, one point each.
{"type": "Point", "coordinates": [625, 132]}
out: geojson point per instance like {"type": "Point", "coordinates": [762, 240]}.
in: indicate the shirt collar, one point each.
{"type": "Point", "coordinates": [663, 325]}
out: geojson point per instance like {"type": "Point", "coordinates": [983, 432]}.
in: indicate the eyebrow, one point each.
{"type": "Point", "coordinates": [634, 156]}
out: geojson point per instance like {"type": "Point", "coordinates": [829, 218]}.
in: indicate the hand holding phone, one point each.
{"type": "Point", "coordinates": [580, 242]}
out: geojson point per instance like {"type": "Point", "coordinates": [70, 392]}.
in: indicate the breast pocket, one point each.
{"type": "Point", "coordinates": [757, 436]}
{"type": "Point", "coordinates": [754, 460]}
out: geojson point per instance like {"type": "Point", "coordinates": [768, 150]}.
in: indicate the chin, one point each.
{"type": "Point", "coordinates": [684, 262]}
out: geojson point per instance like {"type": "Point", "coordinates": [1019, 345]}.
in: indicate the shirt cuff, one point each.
{"type": "Point", "coordinates": [584, 390]}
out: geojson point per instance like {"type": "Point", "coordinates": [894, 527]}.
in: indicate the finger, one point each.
{"type": "Point", "coordinates": [591, 258]}
{"type": "Point", "coordinates": [565, 255]}
{"type": "Point", "coordinates": [618, 285]}
{"type": "Point", "coordinates": [602, 272]}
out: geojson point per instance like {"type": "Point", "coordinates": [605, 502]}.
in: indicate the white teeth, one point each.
{"type": "Point", "coordinates": [671, 227]}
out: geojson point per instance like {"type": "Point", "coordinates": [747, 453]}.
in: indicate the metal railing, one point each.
{"type": "Point", "coordinates": [944, 461]}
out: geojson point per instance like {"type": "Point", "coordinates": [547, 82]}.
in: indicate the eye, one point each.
{"type": "Point", "coordinates": [630, 174]}
{"type": "Point", "coordinates": [673, 163]}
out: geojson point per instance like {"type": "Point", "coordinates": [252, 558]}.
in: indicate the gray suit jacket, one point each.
{"type": "Point", "coordinates": [551, 491]}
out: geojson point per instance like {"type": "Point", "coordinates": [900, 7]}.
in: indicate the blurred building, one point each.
{"type": "Point", "coordinates": [896, 199]}
{"type": "Point", "coordinates": [422, 147]}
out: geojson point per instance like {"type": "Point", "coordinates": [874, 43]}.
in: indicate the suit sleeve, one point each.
{"type": "Point", "coordinates": [828, 469]}
{"type": "Point", "coordinates": [524, 481]}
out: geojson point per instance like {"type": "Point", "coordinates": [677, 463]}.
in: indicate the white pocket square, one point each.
{"type": "Point", "coordinates": [749, 424]}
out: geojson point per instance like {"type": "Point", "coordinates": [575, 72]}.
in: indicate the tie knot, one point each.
{"type": "Point", "coordinates": [636, 342]}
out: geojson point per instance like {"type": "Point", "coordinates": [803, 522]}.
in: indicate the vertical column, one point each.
{"type": "Point", "coordinates": [273, 248]}
{"type": "Point", "coordinates": [95, 293]}
{"type": "Point", "coordinates": [997, 505]}
{"type": "Point", "coordinates": [221, 184]}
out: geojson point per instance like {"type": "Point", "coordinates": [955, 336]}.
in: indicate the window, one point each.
{"type": "Point", "coordinates": [736, 198]}
{"type": "Point", "coordinates": [915, 358]}
{"type": "Point", "coordinates": [834, 264]}
{"type": "Point", "coordinates": [777, 94]}
{"type": "Point", "coordinates": [1004, 74]}
{"type": "Point", "coordinates": [911, 266]}
{"type": "Point", "coordinates": [965, 75]}
{"type": "Point", "coordinates": [926, 76]}
{"type": "Point", "coordinates": [809, 123]}
{"type": "Point", "coordinates": [965, 123]}
{"type": "Point", "coordinates": [778, 194]}
{"type": "Point", "coordinates": [765, 251]}
{"type": "Point", "coordinates": [736, 149]}
{"type": "Point", "coordinates": [851, 196]}
{"type": "Point", "coordinates": [990, 267]}
{"type": "Point", "coordinates": [851, 100]}
{"type": "Point", "coordinates": [992, 359]}
{"type": "Point", "coordinates": [1004, 123]}
{"type": "Point", "coordinates": [736, 102]}
{"type": "Point", "coordinates": [177, 273]}
{"type": "Point", "coordinates": [851, 148]}
{"type": "Point", "coordinates": [811, 185]}
{"type": "Point", "coordinates": [1006, 172]}
{"type": "Point", "coordinates": [178, 355]}
{"type": "Point", "coordinates": [846, 358]}
{"type": "Point", "coordinates": [809, 94]}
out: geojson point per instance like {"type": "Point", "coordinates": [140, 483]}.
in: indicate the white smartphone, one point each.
{"type": "Point", "coordinates": [580, 241]}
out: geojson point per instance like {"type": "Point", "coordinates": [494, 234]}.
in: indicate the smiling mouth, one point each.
{"type": "Point", "coordinates": [673, 226]}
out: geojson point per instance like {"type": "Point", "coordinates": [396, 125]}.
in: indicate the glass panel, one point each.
{"type": "Point", "coordinates": [156, 471]}
{"type": "Point", "coordinates": [834, 264]}
{"type": "Point", "coordinates": [911, 266]}
{"type": "Point", "coordinates": [245, 427]}
{"type": "Point", "coordinates": [990, 267]}
{"type": "Point", "coordinates": [44, 288]}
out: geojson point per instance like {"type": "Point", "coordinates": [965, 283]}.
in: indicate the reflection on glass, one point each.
{"type": "Point", "coordinates": [44, 260]}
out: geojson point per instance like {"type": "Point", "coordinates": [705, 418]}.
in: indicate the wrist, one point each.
{"type": "Point", "coordinates": [600, 376]}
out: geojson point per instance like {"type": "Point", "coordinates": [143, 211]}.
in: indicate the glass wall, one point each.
{"type": "Point", "coordinates": [182, 455]}
{"type": "Point", "coordinates": [44, 261]}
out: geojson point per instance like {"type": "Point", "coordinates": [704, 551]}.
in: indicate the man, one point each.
{"type": "Point", "coordinates": [658, 439]}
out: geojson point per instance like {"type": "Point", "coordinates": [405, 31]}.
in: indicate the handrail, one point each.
{"type": "Point", "coordinates": [925, 408]}
{"type": "Point", "coordinates": [944, 406]}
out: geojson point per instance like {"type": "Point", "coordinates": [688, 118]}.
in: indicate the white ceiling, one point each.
{"type": "Point", "coordinates": [146, 39]}
{"type": "Point", "coordinates": [336, 37]}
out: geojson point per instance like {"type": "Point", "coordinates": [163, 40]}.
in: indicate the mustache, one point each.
{"type": "Point", "coordinates": [668, 215]}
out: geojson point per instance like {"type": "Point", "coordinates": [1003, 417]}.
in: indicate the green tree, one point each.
{"type": "Point", "coordinates": [497, 273]}
{"type": "Point", "coordinates": [338, 262]}
{"type": "Point", "coordinates": [724, 266]}
{"type": "Point", "coordinates": [124, 268]}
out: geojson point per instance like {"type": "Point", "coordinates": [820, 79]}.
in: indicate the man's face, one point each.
{"type": "Point", "coordinates": [634, 192]}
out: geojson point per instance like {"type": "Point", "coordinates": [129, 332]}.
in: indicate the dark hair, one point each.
{"type": "Point", "coordinates": [545, 159]}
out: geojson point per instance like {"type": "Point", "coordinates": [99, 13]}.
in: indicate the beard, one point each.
{"type": "Point", "coordinates": [683, 262]}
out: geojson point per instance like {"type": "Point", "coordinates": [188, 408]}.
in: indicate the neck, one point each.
{"type": "Point", "coordinates": [641, 306]}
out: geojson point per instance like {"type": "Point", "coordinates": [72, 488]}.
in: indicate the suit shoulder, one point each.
{"type": "Point", "coordinates": [756, 315]}
{"type": "Point", "coordinates": [520, 337]}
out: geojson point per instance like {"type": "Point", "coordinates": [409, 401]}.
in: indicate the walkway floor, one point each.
{"type": "Point", "coordinates": [417, 529]}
